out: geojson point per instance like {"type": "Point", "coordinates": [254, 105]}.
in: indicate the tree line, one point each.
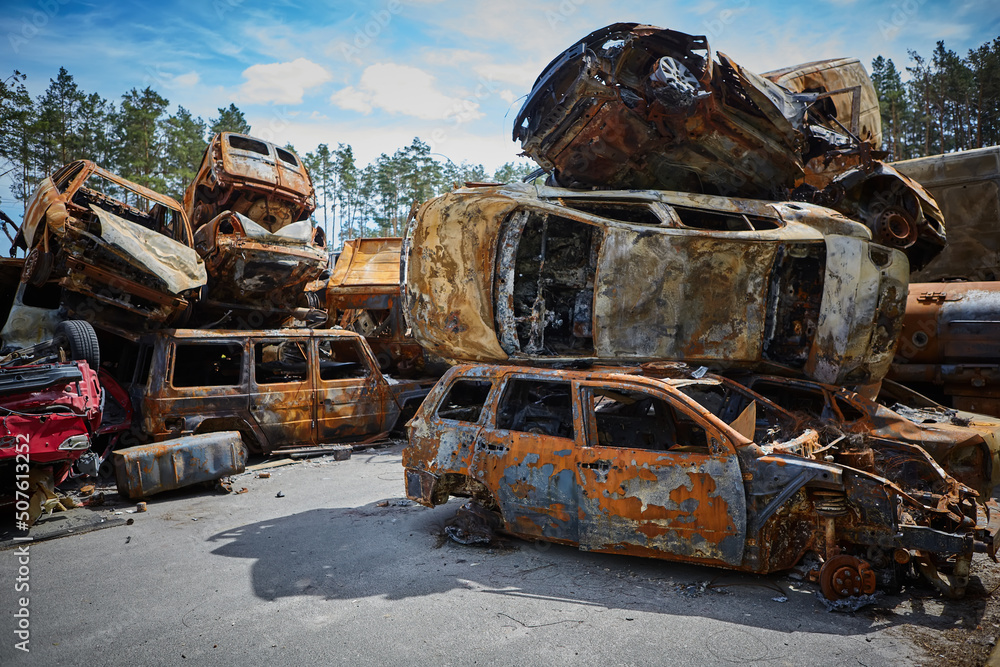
{"type": "Point", "coordinates": [138, 138]}
{"type": "Point", "coordinates": [948, 103]}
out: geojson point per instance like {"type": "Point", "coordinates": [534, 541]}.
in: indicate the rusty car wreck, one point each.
{"type": "Point", "coordinates": [249, 206]}
{"type": "Point", "coordinates": [551, 275]}
{"type": "Point", "coordinates": [364, 294]}
{"type": "Point", "coordinates": [636, 106]}
{"type": "Point", "coordinates": [102, 249]}
{"type": "Point", "coordinates": [281, 389]}
{"type": "Point", "coordinates": [672, 466]}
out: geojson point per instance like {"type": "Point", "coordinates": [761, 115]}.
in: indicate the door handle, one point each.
{"type": "Point", "coordinates": [601, 465]}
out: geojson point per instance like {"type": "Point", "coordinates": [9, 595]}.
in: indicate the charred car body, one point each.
{"type": "Point", "coordinates": [966, 445]}
{"type": "Point", "coordinates": [636, 106]}
{"type": "Point", "coordinates": [553, 275]}
{"type": "Point", "coordinates": [277, 388]}
{"type": "Point", "coordinates": [365, 295]}
{"type": "Point", "coordinates": [686, 469]}
{"type": "Point", "coordinates": [249, 206]}
{"type": "Point", "coordinates": [93, 255]}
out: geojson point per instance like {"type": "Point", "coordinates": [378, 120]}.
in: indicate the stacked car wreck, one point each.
{"type": "Point", "coordinates": [113, 265]}
{"type": "Point", "coordinates": [643, 249]}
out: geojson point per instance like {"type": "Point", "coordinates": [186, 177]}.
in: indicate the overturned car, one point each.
{"type": "Point", "coordinates": [549, 275]}
{"type": "Point", "coordinates": [636, 106]}
{"type": "Point", "coordinates": [684, 468]}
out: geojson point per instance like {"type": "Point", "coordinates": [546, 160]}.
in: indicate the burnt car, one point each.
{"type": "Point", "coordinates": [687, 469]}
{"type": "Point", "coordinates": [364, 295]}
{"type": "Point", "coordinates": [249, 206]}
{"type": "Point", "coordinates": [549, 275]}
{"type": "Point", "coordinates": [280, 389]}
{"type": "Point", "coordinates": [636, 106]}
{"type": "Point", "coordinates": [258, 278]}
{"type": "Point", "coordinates": [948, 347]}
{"type": "Point", "coordinates": [103, 249]}
{"type": "Point", "coordinates": [252, 177]}
{"type": "Point", "coordinates": [966, 445]}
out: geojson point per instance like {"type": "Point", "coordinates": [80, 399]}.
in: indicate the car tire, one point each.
{"type": "Point", "coordinates": [37, 267]}
{"type": "Point", "coordinates": [81, 341]}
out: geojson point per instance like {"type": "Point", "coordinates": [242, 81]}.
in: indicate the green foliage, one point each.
{"type": "Point", "coordinates": [949, 103]}
{"type": "Point", "coordinates": [230, 119]}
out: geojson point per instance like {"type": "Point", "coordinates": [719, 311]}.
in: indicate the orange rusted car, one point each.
{"type": "Point", "coordinates": [280, 388]}
{"type": "Point", "coordinates": [696, 469]}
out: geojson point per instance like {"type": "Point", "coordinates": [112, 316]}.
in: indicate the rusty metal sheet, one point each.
{"type": "Point", "coordinates": [370, 262]}
{"type": "Point", "coordinates": [948, 344]}
{"type": "Point", "coordinates": [145, 470]}
{"type": "Point", "coordinates": [966, 185]}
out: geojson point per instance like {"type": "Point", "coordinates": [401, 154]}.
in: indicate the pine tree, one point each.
{"type": "Point", "coordinates": [230, 119]}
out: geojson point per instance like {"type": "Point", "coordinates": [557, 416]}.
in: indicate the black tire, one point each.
{"type": "Point", "coordinates": [81, 340]}
{"type": "Point", "coordinates": [37, 267]}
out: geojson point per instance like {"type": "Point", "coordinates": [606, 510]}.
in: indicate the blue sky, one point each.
{"type": "Point", "coordinates": [376, 74]}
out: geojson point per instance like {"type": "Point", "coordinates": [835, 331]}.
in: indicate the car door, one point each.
{"type": "Point", "coordinates": [281, 392]}
{"type": "Point", "coordinates": [526, 457]}
{"type": "Point", "coordinates": [656, 478]}
{"type": "Point", "coordinates": [352, 399]}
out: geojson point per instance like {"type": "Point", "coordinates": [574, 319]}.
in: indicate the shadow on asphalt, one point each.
{"type": "Point", "coordinates": [398, 551]}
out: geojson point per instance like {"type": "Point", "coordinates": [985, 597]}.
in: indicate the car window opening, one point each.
{"type": "Point", "coordinates": [207, 365]}
{"type": "Point", "coordinates": [553, 287]}
{"type": "Point", "coordinates": [537, 406]}
{"type": "Point", "coordinates": [794, 299]}
{"type": "Point", "coordinates": [247, 144]}
{"type": "Point", "coordinates": [464, 401]}
{"type": "Point", "coordinates": [274, 363]}
{"type": "Point", "coordinates": [341, 360]}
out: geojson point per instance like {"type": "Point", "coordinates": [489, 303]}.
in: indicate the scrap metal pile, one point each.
{"type": "Point", "coordinates": [699, 223]}
{"type": "Point", "coordinates": [675, 347]}
{"type": "Point", "coordinates": [111, 266]}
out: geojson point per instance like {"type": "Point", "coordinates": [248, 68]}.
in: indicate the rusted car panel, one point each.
{"type": "Point", "coordinates": [966, 185]}
{"type": "Point", "coordinates": [364, 294]}
{"type": "Point", "coordinates": [635, 106]}
{"type": "Point", "coordinates": [967, 446]}
{"type": "Point", "coordinates": [551, 275]}
{"type": "Point", "coordinates": [838, 74]}
{"type": "Point", "coordinates": [253, 177]}
{"type": "Point", "coordinates": [948, 346]}
{"type": "Point", "coordinates": [279, 388]}
{"type": "Point", "coordinates": [627, 463]}
{"type": "Point", "coordinates": [258, 276]}
{"type": "Point", "coordinates": [123, 266]}
{"type": "Point", "coordinates": [145, 470]}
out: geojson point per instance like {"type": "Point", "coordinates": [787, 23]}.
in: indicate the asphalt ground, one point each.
{"type": "Point", "coordinates": [343, 570]}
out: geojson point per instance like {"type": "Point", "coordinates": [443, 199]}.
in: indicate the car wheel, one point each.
{"type": "Point", "coordinates": [81, 340]}
{"type": "Point", "coordinates": [37, 267]}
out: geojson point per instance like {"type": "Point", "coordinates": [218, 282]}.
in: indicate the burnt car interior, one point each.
{"type": "Point", "coordinates": [537, 406]}
{"type": "Point", "coordinates": [207, 364]}
{"type": "Point", "coordinates": [464, 401]}
{"type": "Point", "coordinates": [552, 284]}
{"type": "Point", "coordinates": [341, 360]}
{"type": "Point", "coordinates": [638, 420]}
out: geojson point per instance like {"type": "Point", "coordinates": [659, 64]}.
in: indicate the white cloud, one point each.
{"type": "Point", "coordinates": [406, 90]}
{"type": "Point", "coordinates": [281, 83]}
{"type": "Point", "coordinates": [185, 80]}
